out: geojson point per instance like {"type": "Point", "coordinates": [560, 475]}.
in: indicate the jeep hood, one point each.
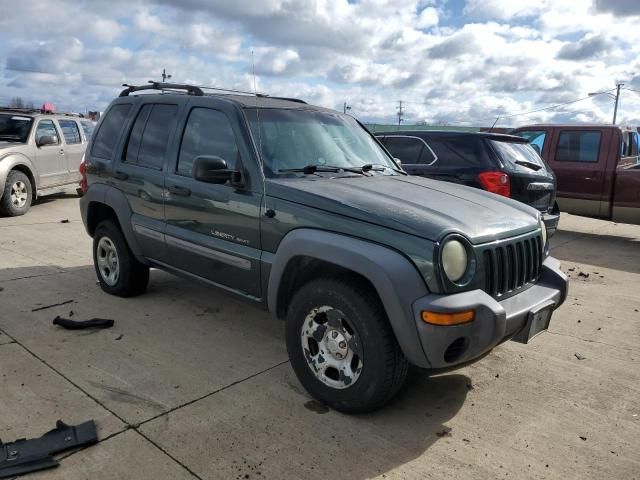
{"type": "Point", "coordinates": [415, 205]}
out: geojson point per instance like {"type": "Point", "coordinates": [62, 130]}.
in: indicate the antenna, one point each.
{"type": "Point", "coordinates": [494, 123]}
{"type": "Point", "coordinates": [255, 90]}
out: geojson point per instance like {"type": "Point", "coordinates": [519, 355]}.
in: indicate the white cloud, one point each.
{"type": "Point", "coordinates": [499, 57]}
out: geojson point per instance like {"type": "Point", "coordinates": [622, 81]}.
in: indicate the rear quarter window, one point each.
{"type": "Point", "coordinates": [70, 131]}
{"type": "Point", "coordinates": [110, 130]}
{"type": "Point", "coordinates": [459, 151]}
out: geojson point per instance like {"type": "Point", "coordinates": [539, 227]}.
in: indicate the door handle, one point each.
{"type": "Point", "coordinates": [177, 190]}
{"type": "Point", "coordinates": [121, 175]}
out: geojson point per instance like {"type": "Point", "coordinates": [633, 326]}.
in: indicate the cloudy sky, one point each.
{"type": "Point", "coordinates": [450, 61]}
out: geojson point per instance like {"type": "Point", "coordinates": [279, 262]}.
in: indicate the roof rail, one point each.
{"type": "Point", "coordinates": [191, 90]}
{"type": "Point", "coordinates": [297, 100]}
{"type": "Point", "coordinates": [40, 111]}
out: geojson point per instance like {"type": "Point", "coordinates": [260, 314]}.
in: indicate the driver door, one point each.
{"type": "Point", "coordinates": [49, 159]}
{"type": "Point", "coordinates": [213, 230]}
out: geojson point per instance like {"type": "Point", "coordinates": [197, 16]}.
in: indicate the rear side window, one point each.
{"type": "Point", "coordinates": [410, 150]}
{"type": "Point", "coordinates": [110, 130]}
{"type": "Point", "coordinates": [535, 137]}
{"type": "Point", "coordinates": [208, 132]}
{"type": "Point", "coordinates": [88, 128]}
{"type": "Point", "coordinates": [459, 151]}
{"type": "Point", "coordinates": [70, 131]}
{"type": "Point", "coordinates": [149, 136]}
{"type": "Point", "coordinates": [578, 146]}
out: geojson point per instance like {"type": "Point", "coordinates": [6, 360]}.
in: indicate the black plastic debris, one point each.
{"type": "Point", "coordinates": [64, 220]}
{"type": "Point", "coordinates": [82, 324]}
{"type": "Point", "coordinates": [25, 456]}
{"type": "Point", "coordinates": [583, 274]}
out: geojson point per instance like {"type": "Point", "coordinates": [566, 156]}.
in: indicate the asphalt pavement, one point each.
{"type": "Point", "coordinates": [190, 383]}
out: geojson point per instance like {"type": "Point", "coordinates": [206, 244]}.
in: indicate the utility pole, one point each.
{"type": "Point", "coordinates": [615, 108]}
{"type": "Point", "coordinates": [400, 113]}
{"type": "Point", "coordinates": [165, 75]}
{"type": "Point", "coordinates": [345, 107]}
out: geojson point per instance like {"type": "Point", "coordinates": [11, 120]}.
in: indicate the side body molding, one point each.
{"type": "Point", "coordinates": [394, 277]}
{"type": "Point", "coordinates": [114, 198]}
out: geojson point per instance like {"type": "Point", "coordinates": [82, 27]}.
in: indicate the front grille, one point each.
{"type": "Point", "coordinates": [511, 265]}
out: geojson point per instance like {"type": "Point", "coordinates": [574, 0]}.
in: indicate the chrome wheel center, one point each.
{"type": "Point", "coordinates": [331, 347]}
{"type": "Point", "coordinates": [19, 194]}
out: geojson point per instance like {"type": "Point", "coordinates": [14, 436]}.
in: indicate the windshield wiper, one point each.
{"type": "Point", "coordinates": [311, 169]}
{"type": "Point", "coordinates": [531, 165]}
{"type": "Point", "coordinates": [378, 167]}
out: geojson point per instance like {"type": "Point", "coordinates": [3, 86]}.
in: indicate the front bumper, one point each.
{"type": "Point", "coordinates": [551, 220]}
{"type": "Point", "coordinates": [495, 321]}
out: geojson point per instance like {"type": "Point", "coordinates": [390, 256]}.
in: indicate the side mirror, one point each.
{"type": "Point", "coordinates": [211, 169]}
{"type": "Point", "coordinates": [398, 161]}
{"type": "Point", "coordinates": [46, 140]}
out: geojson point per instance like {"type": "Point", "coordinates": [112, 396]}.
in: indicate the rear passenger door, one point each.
{"type": "Point", "coordinates": [140, 168]}
{"type": "Point", "coordinates": [579, 158]}
{"type": "Point", "coordinates": [74, 147]}
{"type": "Point", "coordinates": [213, 230]}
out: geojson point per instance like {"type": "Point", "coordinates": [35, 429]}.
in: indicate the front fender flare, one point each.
{"type": "Point", "coordinates": [12, 160]}
{"type": "Point", "coordinates": [396, 280]}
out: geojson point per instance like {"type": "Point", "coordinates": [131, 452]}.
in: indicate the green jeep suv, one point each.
{"type": "Point", "coordinates": [299, 210]}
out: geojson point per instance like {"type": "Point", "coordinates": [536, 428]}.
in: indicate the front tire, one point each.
{"type": "Point", "coordinates": [342, 347]}
{"type": "Point", "coordinates": [17, 195]}
{"type": "Point", "coordinates": [118, 271]}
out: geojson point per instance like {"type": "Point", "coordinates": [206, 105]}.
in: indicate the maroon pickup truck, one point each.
{"type": "Point", "coordinates": [597, 167]}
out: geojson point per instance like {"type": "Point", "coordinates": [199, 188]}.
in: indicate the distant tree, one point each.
{"type": "Point", "coordinates": [16, 102]}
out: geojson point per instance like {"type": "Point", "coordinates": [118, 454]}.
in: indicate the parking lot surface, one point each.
{"type": "Point", "coordinates": [190, 383]}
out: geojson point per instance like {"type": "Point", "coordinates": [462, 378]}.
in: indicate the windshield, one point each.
{"type": "Point", "coordinates": [517, 155]}
{"type": "Point", "coordinates": [14, 128]}
{"type": "Point", "coordinates": [294, 139]}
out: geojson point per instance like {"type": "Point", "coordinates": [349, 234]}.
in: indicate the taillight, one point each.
{"type": "Point", "coordinates": [496, 182]}
{"type": "Point", "coordinates": [83, 171]}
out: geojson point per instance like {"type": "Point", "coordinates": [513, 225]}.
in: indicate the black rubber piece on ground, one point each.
{"type": "Point", "coordinates": [6, 207]}
{"type": "Point", "coordinates": [134, 276]}
{"type": "Point", "coordinates": [384, 366]}
{"type": "Point", "coordinates": [82, 324]}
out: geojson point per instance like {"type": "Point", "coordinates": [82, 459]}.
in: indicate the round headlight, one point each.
{"type": "Point", "coordinates": [543, 230]}
{"type": "Point", "coordinates": [454, 260]}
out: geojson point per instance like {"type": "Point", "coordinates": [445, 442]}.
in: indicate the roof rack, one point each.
{"type": "Point", "coordinates": [191, 90]}
{"type": "Point", "coordinates": [39, 111]}
{"type": "Point", "coordinates": [197, 90]}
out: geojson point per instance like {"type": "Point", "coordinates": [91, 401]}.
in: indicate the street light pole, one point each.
{"type": "Point", "coordinates": [615, 108]}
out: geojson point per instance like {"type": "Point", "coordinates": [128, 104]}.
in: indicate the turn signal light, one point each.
{"type": "Point", "coordinates": [456, 318]}
{"type": "Point", "coordinates": [496, 182]}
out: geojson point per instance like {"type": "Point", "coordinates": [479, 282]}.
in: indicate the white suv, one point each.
{"type": "Point", "coordinates": [39, 154]}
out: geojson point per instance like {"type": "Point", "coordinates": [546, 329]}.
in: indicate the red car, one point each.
{"type": "Point", "coordinates": [597, 167]}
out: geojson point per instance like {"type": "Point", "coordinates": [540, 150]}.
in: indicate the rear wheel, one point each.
{"type": "Point", "coordinates": [118, 271]}
{"type": "Point", "coordinates": [342, 347]}
{"type": "Point", "coordinates": [17, 195]}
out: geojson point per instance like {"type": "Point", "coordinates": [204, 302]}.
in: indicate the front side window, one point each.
{"type": "Point", "coordinates": [46, 128]}
{"type": "Point", "coordinates": [535, 137]}
{"type": "Point", "coordinates": [15, 128]}
{"type": "Point", "coordinates": [578, 146]}
{"type": "Point", "coordinates": [208, 132]}
{"type": "Point", "coordinates": [296, 138]}
{"type": "Point", "coordinates": [70, 131]}
{"type": "Point", "coordinates": [149, 136]}
{"type": "Point", "coordinates": [109, 132]}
